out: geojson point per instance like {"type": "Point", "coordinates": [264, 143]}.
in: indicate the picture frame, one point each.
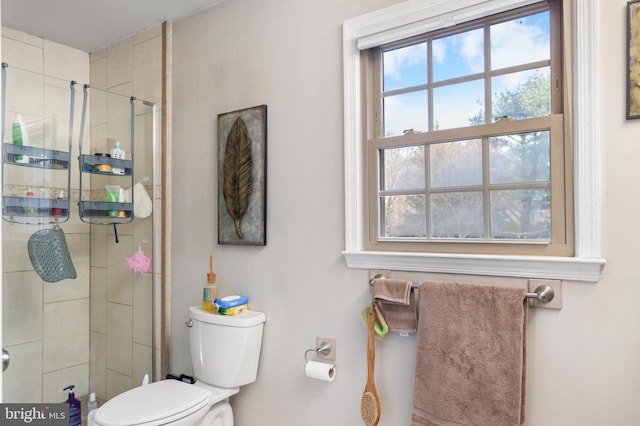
{"type": "Point", "coordinates": [633, 59]}
{"type": "Point", "coordinates": [242, 177]}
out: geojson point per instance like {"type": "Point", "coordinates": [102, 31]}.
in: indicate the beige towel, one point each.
{"type": "Point", "coordinates": [471, 355]}
{"type": "Point", "coordinates": [397, 303]}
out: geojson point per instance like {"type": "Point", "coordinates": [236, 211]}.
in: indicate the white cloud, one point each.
{"type": "Point", "coordinates": [518, 42]}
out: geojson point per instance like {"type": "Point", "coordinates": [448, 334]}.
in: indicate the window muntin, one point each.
{"type": "Point", "coordinates": [493, 182]}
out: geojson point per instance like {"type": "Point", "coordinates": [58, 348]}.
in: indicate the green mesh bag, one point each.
{"type": "Point", "coordinates": [50, 256]}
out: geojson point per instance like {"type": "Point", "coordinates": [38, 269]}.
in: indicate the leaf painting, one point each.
{"type": "Point", "coordinates": [237, 172]}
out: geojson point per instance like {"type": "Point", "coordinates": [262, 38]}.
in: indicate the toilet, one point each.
{"type": "Point", "coordinates": [225, 351]}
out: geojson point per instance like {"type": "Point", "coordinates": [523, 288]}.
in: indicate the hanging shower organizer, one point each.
{"type": "Point", "coordinates": [97, 211]}
{"type": "Point", "coordinates": [43, 203]}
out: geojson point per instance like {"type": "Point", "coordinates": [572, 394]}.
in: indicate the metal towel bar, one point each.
{"type": "Point", "coordinates": [543, 293]}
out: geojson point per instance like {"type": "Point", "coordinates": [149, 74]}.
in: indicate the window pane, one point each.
{"type": "Point", "coordinates": [519, 95]}
{"type": "Point", "coordinates": [521, 214]}
{"type": "Point", "coordinates": [458, 105]}
{"type": "Point", "coordinates": [405, 112]}
{"type": "Point", "coordinates": [456, 163]}
{"type": "Point", "coordinates": [520, 41]}
{"type": "Point", "coordinates": [519, 158]}
{"type": "Point", "coordinates": [405, 67]}
{"type": "Point", "coordinates": [403, 168]}
{"type": "Point", "coordinates": [404, 216]}
{"type": "Point", "coordinates": [457, 215]}
{"type": "Point", "coordinates": [458, 55]}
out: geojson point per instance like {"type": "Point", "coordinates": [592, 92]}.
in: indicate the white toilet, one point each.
{"type": "Point", "coordinates": [224, 351]}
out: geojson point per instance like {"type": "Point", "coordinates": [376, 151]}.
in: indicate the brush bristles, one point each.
{"type": "Point", "coordinates": [369, 409]}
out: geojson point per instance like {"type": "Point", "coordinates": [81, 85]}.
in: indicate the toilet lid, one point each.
{"type": "Point", "coordinates": [165, 400]}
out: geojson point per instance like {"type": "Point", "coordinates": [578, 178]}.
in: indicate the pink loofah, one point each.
{"type": "Point", "coordinates": [139, 262]}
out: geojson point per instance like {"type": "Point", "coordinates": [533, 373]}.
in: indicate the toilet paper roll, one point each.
{"type": "Point", "coordinates": [320, 371]}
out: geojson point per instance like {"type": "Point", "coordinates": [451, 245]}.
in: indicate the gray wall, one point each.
{"type": "Point", "coordinates": [287, 54]}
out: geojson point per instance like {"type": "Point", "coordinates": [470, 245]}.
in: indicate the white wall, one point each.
{"type": "Point", "coordinates": [583, 365]}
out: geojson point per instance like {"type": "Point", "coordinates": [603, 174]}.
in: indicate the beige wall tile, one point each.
{"type": "Point", "coordinates": [65, 63]}
{"type": "Point", "coordinates": [22, 37]}
{"type": "Point", "coordinates": [99, 247]}
{"type": "Point", "coordinates": [22, 55]}
{"type": "Point", "coordinates": [22, 307]}
{"type": "Point", "coordinates": [117, 383]}
{"type": "Point", "coordinates": [143, 165]}
{"type": "Point", "coordinates": [65, 334]}
{"type": "Point", "coordinates": [142, 36]}
{"type": "Point", "coordinates": [98, 300]}
{"type": "Point", "coordinates": [119, 115]}
{"type": "Point", "coordinates": [142, 363]}
{"type": "Point", "coordinates": [15, 256]}
{"type": "Point", "coordinates": [98, 365]}
{"type": "Point", "coordinates": [54, 382]}
{"type": "Point", "coordinates": [22, 381]}
{"type": "Point", "coordinates": [119, 66]}
{"type": "Point", "coordinates": [119, 338]}
{"type": "Point", "coordinates": [119, 277]}
{"type": "Point", "coordinates": [97, 55]}
{"type": "Point", "coordinates": [98, 73]}
{"type": "Point", "coordinates": [124, 89]}
{"type": "Point", "coordinates": [24, 95]}
{"type": "Point", "coordinates": [142, 304]}
{"type": "Point", "coordinates": [147, 70]}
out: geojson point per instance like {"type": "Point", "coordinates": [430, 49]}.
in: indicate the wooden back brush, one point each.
{"type": "Point", "coordinates": [370, 403]}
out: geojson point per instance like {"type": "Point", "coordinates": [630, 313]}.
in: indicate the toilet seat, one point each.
{"type": "Point", "coordinates": [157, 403]}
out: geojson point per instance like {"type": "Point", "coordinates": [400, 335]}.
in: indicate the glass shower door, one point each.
{"type": "Point", "coordinates": [95, 330]}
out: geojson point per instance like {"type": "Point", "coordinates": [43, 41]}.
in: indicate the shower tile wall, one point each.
{"type": "Point", "coordinates": [94, 331]}
{"type": "Point", "coordinates": [121, 330]}
{"type": "Point", "coordinates": [45, 326]}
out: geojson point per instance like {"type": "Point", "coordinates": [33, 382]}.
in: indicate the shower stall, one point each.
{"type": "Point", "coordinates": [94, 328]}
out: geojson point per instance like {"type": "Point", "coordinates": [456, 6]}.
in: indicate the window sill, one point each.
{"type": "Point", "coordinates": [561, 268]}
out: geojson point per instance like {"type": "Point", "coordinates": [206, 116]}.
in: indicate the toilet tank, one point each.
{"type": "Point", "coordinates": [225, 349]}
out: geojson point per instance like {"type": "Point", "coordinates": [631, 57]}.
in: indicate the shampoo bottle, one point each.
{"type": "Point", "coordinates": [20, 137]}
{"type": "Point", "coordinates": [117, 153]}
{"type": "Point", "coordinates": [30, 210]}
{"type": "Point", "coordinates": [92, 405]}
{"type": "Point", "coordinates": [75, 413]}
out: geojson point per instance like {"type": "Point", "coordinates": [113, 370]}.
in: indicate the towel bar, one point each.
{"type": "Point", "coordinates": [543, 293]}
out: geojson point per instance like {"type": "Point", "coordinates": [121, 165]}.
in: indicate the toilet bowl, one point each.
{"type": "Point", "coordinates": [224, 352]}
{"type": "Point", "coordinates": [167, 402]}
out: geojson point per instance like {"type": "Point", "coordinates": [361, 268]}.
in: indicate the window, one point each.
{"type": "Point", "coordinates": [474, 192]}
{"type": "Point", "coordinates": [465, 124]}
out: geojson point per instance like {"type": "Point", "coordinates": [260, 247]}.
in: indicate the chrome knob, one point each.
{"type": "Point", "coordinates": [5, 359]}
{"type": "Point", "coordinates": [545, 293]}
{"type": "Point", "coordinates": [189, 323]}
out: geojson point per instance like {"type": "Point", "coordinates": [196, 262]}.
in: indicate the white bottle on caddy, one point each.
{"type": "Point", "coordinates": [117, 153]}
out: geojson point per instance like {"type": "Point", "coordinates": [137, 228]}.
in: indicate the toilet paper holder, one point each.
{"type": "Point", "coordinates": [325, 349]}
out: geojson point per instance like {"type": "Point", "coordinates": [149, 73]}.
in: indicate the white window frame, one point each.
{"type": "Point", "coordinates": [419, 16]}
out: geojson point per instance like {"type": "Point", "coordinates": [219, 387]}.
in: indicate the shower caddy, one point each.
{"type": "Point", "coordinates": [34, 210]}
{"type": "Point", "coordinates": [98, 212]}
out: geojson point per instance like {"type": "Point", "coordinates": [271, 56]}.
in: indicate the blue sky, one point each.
{"type": "Point", "coordinates": [514, 42]}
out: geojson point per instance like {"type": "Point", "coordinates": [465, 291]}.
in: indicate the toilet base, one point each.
{"type": "Point", "coordinates": [220, 414]}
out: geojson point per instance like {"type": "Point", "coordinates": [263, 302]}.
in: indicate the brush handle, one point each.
{"type": "Point", "coordinates": [371, 345]}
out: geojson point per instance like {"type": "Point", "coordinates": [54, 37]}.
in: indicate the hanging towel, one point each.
{"type": "Point", "coordinates": [397, 303]}
{"type": "Point", "coordinates": [471, 355]}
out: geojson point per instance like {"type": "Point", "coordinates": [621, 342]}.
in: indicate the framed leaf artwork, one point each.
{"type": "Point", "coordinates": [242, 186]}
{"type": "Point", "coordinates": [633, 59]}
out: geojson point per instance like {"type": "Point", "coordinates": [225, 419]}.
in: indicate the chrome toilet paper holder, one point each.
{"type": "Point", "coordinates": [325, 349]}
